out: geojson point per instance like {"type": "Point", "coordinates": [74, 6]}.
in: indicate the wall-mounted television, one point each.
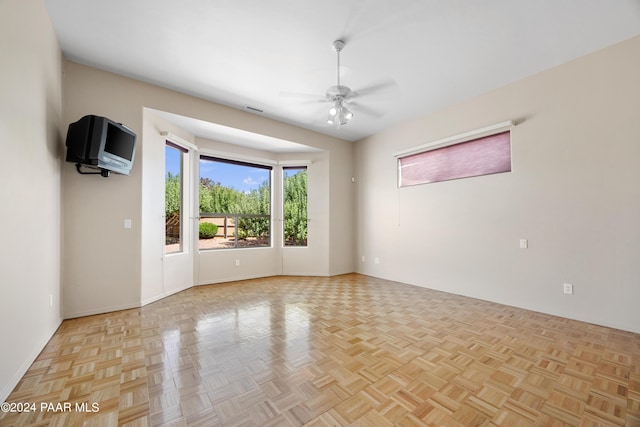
{"type": "Point", "coordinates": [101, 143]}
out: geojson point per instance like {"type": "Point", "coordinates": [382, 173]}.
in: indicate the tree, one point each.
{"type": "Point", "coordinates": [295, 209]}
{"type": "Point", "coordinates": [216, 198]}
{"type": "Point", "coordinates": [173, 195]}
{"type": "Point", "coordinates": [255, 202]}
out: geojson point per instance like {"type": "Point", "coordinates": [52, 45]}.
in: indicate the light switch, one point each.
{"type": "Point", "coordinates": [524, 243]}
{"type": "Point", "coordinates": [127, 223]}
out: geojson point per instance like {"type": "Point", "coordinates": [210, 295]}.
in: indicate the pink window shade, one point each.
{"type": "Point", "coordinates": [482, 156]}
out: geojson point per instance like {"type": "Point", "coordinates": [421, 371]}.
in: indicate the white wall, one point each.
{"type": "Point", "coordinates": [30, 125]}
{"type": "Point", "coordinates": [95, 207]}
{"type": "Point", "coordinates": [574, 193]}
{"type": "Point", "coordinates": [314, 259]}
{"type": "Point", "coordinates": [153, 286]}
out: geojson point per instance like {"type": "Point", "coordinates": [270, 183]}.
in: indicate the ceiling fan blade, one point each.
{"type": "Point", "coordinates": [387, 86]}
{"type": "Point", "coordinates": [306, 98]}
{"type": "Point", "coordinates": [359, 108]}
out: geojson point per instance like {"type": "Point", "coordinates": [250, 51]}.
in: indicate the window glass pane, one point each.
{"type": "Point", "coordinates": [235, 204]}
{"type": "Point", "coordinates": [295, 206]}
{"type": "Point", "coordinates": [173, 199]}
{"type": "Point", "coordinates": [482, 156]}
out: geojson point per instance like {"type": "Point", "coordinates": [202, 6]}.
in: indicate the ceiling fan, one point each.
{"type": "Point", "coordinates": [339, 114]}
{"type": "Point", "coordinates": [340, 96]}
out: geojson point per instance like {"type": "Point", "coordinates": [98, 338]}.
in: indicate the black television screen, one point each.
{"type": "Point", "coordinates": [119, 143]}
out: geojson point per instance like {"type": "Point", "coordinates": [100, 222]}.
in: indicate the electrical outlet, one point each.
{"type": "Point", "coordinates": [568, 288]}
{"type": "Point", "coordinates": [50, 300]}
{"type": "Point", "coordinates": [237, 263]}
{"type": "Point", "coordinates": [524, 243]}
{"type": "Point", "coordinates": [363, 258]}
{"type": "Point", "coordinates": [377, 260]}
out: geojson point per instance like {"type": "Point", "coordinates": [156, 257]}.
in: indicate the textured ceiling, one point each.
{"type": "Point", "coordinates": [424, 54]}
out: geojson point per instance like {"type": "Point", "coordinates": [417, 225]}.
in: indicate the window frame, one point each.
{"type": "Point", "coordinates": [234, 160]}
{"type": "Point", "coordinates": [182, 150]}
{"type": "Point", "coordinates": [478, 137]}
{"type": "Point", "coordinates": [306, 169]}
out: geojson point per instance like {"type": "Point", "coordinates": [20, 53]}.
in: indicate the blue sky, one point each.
{"type": "Point", "coordinates": [241, 178]}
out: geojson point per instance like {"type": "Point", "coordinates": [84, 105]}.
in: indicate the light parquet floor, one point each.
{"type": "Point", "coordinates": [340, 351]}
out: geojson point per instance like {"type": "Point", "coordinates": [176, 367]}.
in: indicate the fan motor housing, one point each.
{"type": "Point", "coordinates": [338, 45]}
{"type": "Point", "coordinates": [338, 92]}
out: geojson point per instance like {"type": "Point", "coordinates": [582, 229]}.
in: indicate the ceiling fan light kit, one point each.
{"type": "Point", "coordinates": [339, 114]}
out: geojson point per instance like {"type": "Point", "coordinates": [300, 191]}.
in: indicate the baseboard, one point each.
{"type": "Point", "coordinates": [100, 310]}
{"type": "Point", "coordinates": [304, 274]}
{"type": "Point", "coordinates": [163, 295]}
{"type": "Point", "coordinates": [235, 279]}
{"type": "Point", "coordinates": [31, 357]}
{"type": "Point", "coordinates": [153, 299]}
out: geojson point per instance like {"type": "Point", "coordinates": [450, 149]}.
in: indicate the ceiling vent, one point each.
{"type": "Point", "coordinates": [253, 109]}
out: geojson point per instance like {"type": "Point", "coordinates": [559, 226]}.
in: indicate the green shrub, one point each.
{"type": "Point", "coordinates": [207, 230]}
{"type": "Point", "coordinates": [242, 233]}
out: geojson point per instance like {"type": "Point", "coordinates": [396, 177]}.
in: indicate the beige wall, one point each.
{"type": "Point", "coordinates": [30, 125]}
{"type": "Point", "coordinates": [342, 201]}
{"type": "Point", "coordinates": [574, 193]}
{"type": "Point", "coordinates": [101, 259]}
{"type": "Point", "coordinates": [107, 267]}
